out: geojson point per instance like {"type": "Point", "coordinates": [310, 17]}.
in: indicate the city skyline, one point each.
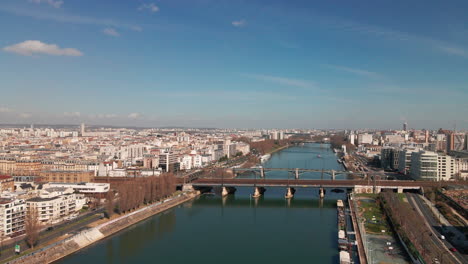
{"type": "Point", "coordinates": [229, 64]}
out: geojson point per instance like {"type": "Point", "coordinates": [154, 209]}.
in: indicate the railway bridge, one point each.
{"type": "Point", "coordinates": [259, 185]}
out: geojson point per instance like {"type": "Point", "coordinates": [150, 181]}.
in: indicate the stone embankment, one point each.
{"type": "Point", "coordinates": [85, 238]}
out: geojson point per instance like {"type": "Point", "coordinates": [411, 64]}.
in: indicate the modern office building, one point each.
{"type": "Point", "coordinates": [424, 165]}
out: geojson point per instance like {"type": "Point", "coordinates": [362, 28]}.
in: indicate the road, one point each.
{"type": "Point", "coordinates": [82, 221]}
{"type": "Point", "coordinates": [432, 223]}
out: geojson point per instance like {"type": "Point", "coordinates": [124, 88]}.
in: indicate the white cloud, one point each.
{"type": "Point", "coordinates": [53, 3]}
{"type": "Point", "coordinates": [72, 114]}
{"type": "Point", "coordinates": [284, 81]}
{"type": "Point", "coordinates": [151, 7]}
{"type": "Point", "coordinates": [31, 47]}
{"type": "Point", "coordinates": [356, 71]}
{"type": "Point", "coordinates": [25, 115]}
{"type": "Point", "coordinates": [134, 116]}
{"type": "Point", "coordinates": [111, 32]}
{"type": "Point", "coordinates": [5, 109]}
{"type": "Point", "coordinates": [239, 23]}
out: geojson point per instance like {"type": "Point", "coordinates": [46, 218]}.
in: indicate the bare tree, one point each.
{"type": "Point", "coordinates": [110, 203]}
{"type": "Point", "coordinates": [32, 226]}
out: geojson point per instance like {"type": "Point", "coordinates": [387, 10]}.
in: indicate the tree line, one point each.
{"type": "Point", "coordinates": [410, 225]}
{"type": "Point", "coordinates": [267, 145]}
{"type": "Point", "coordinates": [130, 195]}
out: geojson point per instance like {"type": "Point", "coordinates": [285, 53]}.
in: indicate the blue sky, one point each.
{"type": "Point", "coordinates": [216, 63]}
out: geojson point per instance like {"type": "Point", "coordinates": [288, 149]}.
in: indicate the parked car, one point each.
{"type": "Point", "coordinates": [453, 249]}
{"type": "Point", "coordinates": [442, 237]}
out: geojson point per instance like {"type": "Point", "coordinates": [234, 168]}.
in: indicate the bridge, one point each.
{"type": "Point", "coordinates": [296, 172]}
{"type": "Point", "coordinates": [259, 185]}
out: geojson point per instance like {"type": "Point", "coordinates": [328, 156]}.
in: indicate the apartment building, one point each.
{"type": "Point", "coordinates": [67, 176]}
{"type": "Point", "coordinates": [55, 203]}
{"type": "Point", "coordinates": [12, 217]}
{"type": "Point", "coordinates": [446, 167]}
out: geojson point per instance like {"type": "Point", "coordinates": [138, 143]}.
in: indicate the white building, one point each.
{"type": "Point", "coordinates": [54, 204]}
{"type": "Point", "coordinates": [85, 187]}
{"type": "Point", "coordinates": [12, 217]}
{"type": "Point", "coordinates": [446, 167]}
{"type": "Point", "coordinates": [364, 139]}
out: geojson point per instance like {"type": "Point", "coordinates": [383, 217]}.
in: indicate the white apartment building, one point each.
{"type": "Point", "coordinates": [12, 217]}
{"type": "Point", "coordinates": [446, 167]}
{"type": "Point", "coordinates": [54, 204]}
{"type": "Point", "coordinates": [365, 139]}
{"type": "Point", "coordinates": [424, 165]}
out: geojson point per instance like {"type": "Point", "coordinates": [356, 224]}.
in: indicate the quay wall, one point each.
{"type": "Point", "coordinates": [90, 236]}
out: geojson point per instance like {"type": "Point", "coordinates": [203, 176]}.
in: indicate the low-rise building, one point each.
{"type": "Point", "coordinates": [84, 187]}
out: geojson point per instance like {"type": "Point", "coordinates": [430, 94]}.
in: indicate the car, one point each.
{"type": "Point", "coordinates": [453, 249]}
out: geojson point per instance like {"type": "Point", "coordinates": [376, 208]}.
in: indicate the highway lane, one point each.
{"type": "Point", "coordinates": [432, 223]}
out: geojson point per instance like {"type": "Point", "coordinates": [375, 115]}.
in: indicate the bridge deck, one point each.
{"type": "Point", "coordinates": [309, 183]}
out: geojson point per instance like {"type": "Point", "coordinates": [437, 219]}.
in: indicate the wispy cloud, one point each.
{"type": "Point", "coordinates": [305, 84]}
{"type": "Point", "coordinates": [134, 115]}
{"type": "Point", "coordinates": [5, 109]}
{"type": "Point", "coordinates": [150, 7]}
{"type": "Point", "coordinates": [25, 115]}
{"type": "Point", "coordinates": [380, 32]}
{"type": "Point", "coordinates": [111, 32]}
{"type": "Point", "coordinates": [102, 116]}
{"type": "Point", "coordinates": [31, 47]}
{"type": "Point", "coordinates": [356, 71]}
{"type": "Point", "coordinates": [239, 23]}
{"type": "Point", "coordinates": [68, 18]}
{"type": "Point", "coordinates": [71, 114]}
{"type": "Point", "coordinates": [454, 50]}
{"type": "Point", "coordinates": [53, 3]}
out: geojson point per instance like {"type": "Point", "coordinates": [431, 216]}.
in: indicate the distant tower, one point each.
{"type": "Point", "coordinates": [405, 126]}
{"type": "Point", "coordinates": [32, 126]}
{"type": "Point", "coordinates": [82, 127]}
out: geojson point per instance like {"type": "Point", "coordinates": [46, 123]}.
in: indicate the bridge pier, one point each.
{"type": "Point", "coordinates": [262, 173]}
{"type": "Point", "coordinates": [224, 192]}
{"type": "Point", "coordinates": [227, 190]}
{"type": "Point", "coordinates": [321, 193]}
{"type": "Point", "coordinates": [187, 188]}
{"type": "Point", "coordinates": [257, 192]}
{"type": "Point", "coordinates": [289, 193]}
{"type": "Point", "coordinates": [333, 175]}
{"type": "Point", "coordinates": [297, 173]}
{"type": "Point", "coordinates": [400, 190]}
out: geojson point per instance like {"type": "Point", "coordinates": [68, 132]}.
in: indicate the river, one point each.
{"type": "Point", "coordinates": [235, 229]}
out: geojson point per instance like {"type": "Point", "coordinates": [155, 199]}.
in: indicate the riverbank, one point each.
{"type": "Point", "coordinates": [92, 235]}
{"type": "Point", "coordinates": [267, 156]}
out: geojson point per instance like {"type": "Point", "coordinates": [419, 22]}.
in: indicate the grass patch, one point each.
{"type": "Point", "coordinates": [375, 219]}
